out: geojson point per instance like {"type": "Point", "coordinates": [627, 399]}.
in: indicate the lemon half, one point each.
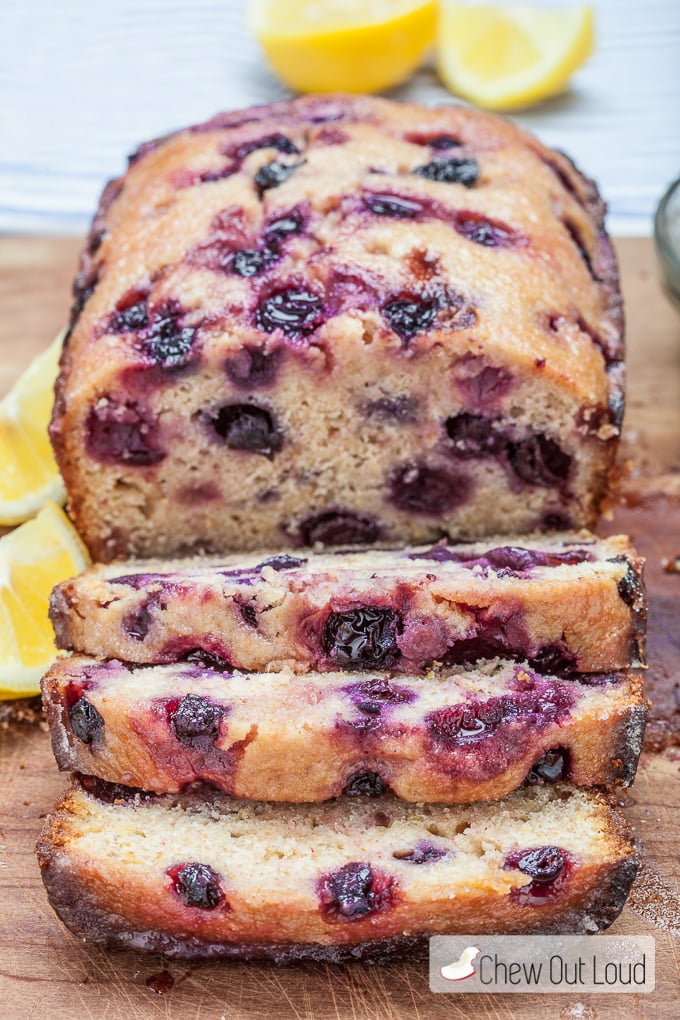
{"type": "Point", "coordinates": [29, 475]}
{"type": "Point", "coordinates": [344, 45]}
{"type": "Point", "coordinates": [33, 558]}
{"type": "Point", "coordinates": [509, 57]}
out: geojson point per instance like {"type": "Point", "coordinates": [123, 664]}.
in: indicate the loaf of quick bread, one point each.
{"type": "Point", "coordinates": [340, 320]}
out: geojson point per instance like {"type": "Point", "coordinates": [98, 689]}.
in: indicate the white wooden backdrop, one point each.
{"type": "Point", "coordinates": [82, 82]}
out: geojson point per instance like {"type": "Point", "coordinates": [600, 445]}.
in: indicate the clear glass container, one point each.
{"type": "Point", "coordinates": [667, 238]}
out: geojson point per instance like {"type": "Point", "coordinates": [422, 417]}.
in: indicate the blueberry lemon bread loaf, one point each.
{"type": "Point", "coordinates": [566, 603]}
{"type": "Point", "coordinates": [203, 875]}
{"type": "Point", "coordinates": [458, 735]}
{"type": "Point", "coordinates": [340, 320]}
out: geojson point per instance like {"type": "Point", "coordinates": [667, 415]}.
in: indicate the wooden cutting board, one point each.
{"type": "Point", "coordinates": [45, 971]}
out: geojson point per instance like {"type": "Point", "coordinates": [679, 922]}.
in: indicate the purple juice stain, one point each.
{"type": "Point", "coordinates": [422, 489]}
{"type": "Point", "coordinates": [253, 367]}
{"type": "Point", "coordinates": [575, 235]}
{"type": "Point", "coordinates": [122, 433]}
{"type": "Point", "coordinates": [473, 721]}
{"type": "Point", "coordinates": [296, 311]}
{"type": "Point", "coordinates": [354, 891]}
{"type": "Point", "coordinates": [363, 638]}
{"type": "Point", "coordinates": [372, 696]}
{"type": "Point", "coordinates": [423, 852]}
{"type": "Point", "coordinates": [436, 141]}
{"type": "Point", "coordinates": [505, 557]}
{"type": "Point", "coordinates": [487, 386]}
{"type": "Point", "coordinates": [340, 527]}
{"type": "Point", "coordinates": [247, 427]}
{"type": "Point", "coordinates": [197, 885]}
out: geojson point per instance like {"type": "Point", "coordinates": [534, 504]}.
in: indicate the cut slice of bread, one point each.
{"type": "Point", "coordinates": [565, 602]}
{"type": "Point", "coordinates": [200, 874]}
{"type": "Point", "coordinates": [459, 734]}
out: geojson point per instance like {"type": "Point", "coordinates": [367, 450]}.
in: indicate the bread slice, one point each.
{"type": "Point", "coordinates": [564, 602]}
{"type": "Point", "coordinates": [460, 734]}
{"type": "Point", "coordinates": [341, 319]}
{"type": "Point", "coordinates": [202, 875]}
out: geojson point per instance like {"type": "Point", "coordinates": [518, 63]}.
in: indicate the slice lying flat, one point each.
{"type": "Point", "coordinates": [33, 558]}
{"type": "Point", "coordinates": [334, 45]}
{"type": "Point", "coordinates": [29, 475]}
{"type": "Point", "coordinates": [508, 57]}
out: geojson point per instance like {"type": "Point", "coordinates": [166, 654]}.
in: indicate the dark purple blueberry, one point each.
{"type": "Point", "coordinates": [201, 657]}
{"type": "Point", "coordinates": [340, 527]}
{"type": "Point", "coordinates": [276, 141]}
{"type": "Point", "coordinates": [366, 784]}
{"type": "Point", "coordinates": [137, 621]}
{"type": "Point", "coordinates": [247, 427]}
{"type": "Point", "coordinates": [253, 367]}
{"type": "Point", "coordinates": [121, 433]}
{"type": "Point", "coordinates": [372, 696]}
{"type": "Point", "coordinates": [392, 205]}
{"type": "Point", "coordinates": [421, 489]}
{"type": "Point", "coordinates": [363, 638]}
{"type": "Point", "coordinates": [193, 717]}
{"type": "Point", "coordinates": [434, 141]}
{"type": "Point", "coordinates": [542, 864]}
{"type": "Point", "coordinates": [130, 319]}
{"type": "Point", "coordinates": [474, 436]}
{"type": "Point", "coordinates": [538, 460]}
{"type": "Point", "coordinates": [251, 261]}
{"type": "Point", "coordinates": [485, 232]}
{"type": "Point", "coordinates": [410, 315]}
{"type": "Point", "coordinates": [271, 175]}
{"type": "Point", "coordinates": [249, 614]}
{"type": "Point", "coordinates": [282, 562]}
{"type": "Point", "coordinates": [554, 659]}
{"type": "Point", "coordinates": [629, 586]}
{"type": "Point", "coordinates": [450, 170]}
{"type": "Point", "coordinates": [111, 793]}
{"type": "Point", "coordinates": [422, 853]}
{"type": "Point", "coordinates": [86, 722]}
{"type": "Point", "coordinates": [284, 226]}
{"type": "Point", "coordinates": [197, 885]}
{"type": "Point", "coordinates": [165, 338]}
{"type": "Point", "coordinates": [550, 767]}
{"type": "Point", "coordinates": [555, 520]}
{"type": "Point", "coordinates": [399, 409]}
{"type": "Point", "coordinates": [296, 311]}
{"type": "Point", "coordinates": [354, 891]}
{"type": "Point", "coordinates": [472, 721]}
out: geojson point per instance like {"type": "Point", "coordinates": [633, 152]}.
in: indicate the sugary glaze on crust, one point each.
{"type": "Point", "coordinates": [569, 602]}
{"type": "Point", "coordinates": [216, 877]}
{"type": "Point", "coordinates": [454, 736]}
{"type": "Point", "coordinates": [367, 319]}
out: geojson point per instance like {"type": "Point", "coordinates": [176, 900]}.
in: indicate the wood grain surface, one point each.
{"type": "Point", "coordinates": [46, 972]}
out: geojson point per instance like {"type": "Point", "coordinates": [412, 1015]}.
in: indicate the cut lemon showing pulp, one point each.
{"type": "Point", "coordinates": [507, 57]}
{"type": "Point", "coordinates": [344, 45]}
{"type": "Point", "coordinates": [29, 475]}
{"type": "Point", "coordinates": [33, 558]}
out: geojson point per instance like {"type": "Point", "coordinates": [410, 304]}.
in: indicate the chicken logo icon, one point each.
{"type": "Point", "coordinates": [463, 967]}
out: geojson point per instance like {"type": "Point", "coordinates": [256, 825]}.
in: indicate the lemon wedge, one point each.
{"type": "Point", "coordinates": [33, 558]}
{"type": "Point", "coordinates": [344, 45]}
{"type": "Point", "coordinates": [29, 475]}
{"type": "Point", "coordinates": [509, 57]}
